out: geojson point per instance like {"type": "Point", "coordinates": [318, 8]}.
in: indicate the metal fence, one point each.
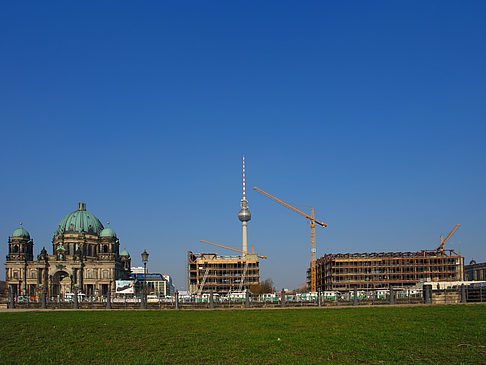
{"type": "Point", "coordinates": [462, 294]}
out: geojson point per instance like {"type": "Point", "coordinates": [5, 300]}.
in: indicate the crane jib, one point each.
{"type": "Point", "coordinates": [287, 205]}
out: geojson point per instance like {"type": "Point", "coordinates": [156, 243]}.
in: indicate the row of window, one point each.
{"type": "Point", "coordinates": [479, 275]}
{"type": "Point", "coordinates": [88, 250]}
{"type": "Point", "coordinates": [396, 270]}
{"type": "Point", "coordinates": [32, 274]}
{"type": "Point", "coordinates": [391, 277]}
{"type": "Point", "coordinates": [444, 261]}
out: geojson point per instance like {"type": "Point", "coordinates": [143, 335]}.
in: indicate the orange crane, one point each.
{"type": "Point", "coordinates": [232, 249]}
{"type": "Point", "coordinates": [313, 222]}
{"type": "Point", "coordinates": [440, 249]}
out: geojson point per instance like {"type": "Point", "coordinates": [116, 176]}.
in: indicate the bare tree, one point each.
{"type": "Point", "coordinates": [262, 287]}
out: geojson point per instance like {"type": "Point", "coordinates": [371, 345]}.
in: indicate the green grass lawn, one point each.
{"type": "Point", "coordinates": [446, 334]}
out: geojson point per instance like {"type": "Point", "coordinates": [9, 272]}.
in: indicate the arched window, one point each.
{"type": "Point", "coordinates": [105, 248]}
{"type": "Point", "coordinates": [16, 249]}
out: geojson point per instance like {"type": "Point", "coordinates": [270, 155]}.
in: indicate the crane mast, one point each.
{"type": "Point", "coordinates": [313, 255]}
{"type": "Point", "coordinates": [313, 222]}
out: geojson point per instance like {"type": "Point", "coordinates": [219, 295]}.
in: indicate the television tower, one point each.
{"type": "Point", "coordinates": [244, 215]}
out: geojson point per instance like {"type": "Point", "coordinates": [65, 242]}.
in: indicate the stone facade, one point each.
{"type": "Point", "coordinates": [85, 256]}
{"type": "Point", "coordinates": [475, 271]}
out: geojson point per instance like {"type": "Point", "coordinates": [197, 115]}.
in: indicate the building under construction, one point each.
{"type": "Point", "coordinates": [221, 274]}
{"type": "Point", "coordinates": [371, 271]}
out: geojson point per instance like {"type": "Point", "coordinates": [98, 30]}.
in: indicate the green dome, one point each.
{"type": "Point", "coordinates": [124, 253]}
{"type": "Point", "coordinates": [79, 221]}
{"type": "Point", "coordinates": [21, 232]}
{"type": "Point", "coordinates": [108, 232]}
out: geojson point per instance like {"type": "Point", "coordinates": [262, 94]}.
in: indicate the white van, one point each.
{"type": "Point", "coordinates": [69, 297]}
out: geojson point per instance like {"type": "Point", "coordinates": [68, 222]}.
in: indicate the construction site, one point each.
{"type": "Point", "coordinates": [372, 271]}
{"type": "Point", "coordinates": [213, 273]}
{"type": "Point", "coordinates": [210, 272]}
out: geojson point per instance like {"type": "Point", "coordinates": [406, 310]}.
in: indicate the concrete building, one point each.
{"type": "Point", "coordinates": [157, 284]}
{"type": "Point", "coordinates": [370, 271]}
{"type": "Point", "coordinates": [84, 254]}
{"type": "Point", "coordinates": [170, 285]}
{"type": "Point", "coordinates": [137, 270]}
{"type": "Point", "coordinates": [475, 271]}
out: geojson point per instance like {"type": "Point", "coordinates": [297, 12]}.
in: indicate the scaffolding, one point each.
{"type": "Point", "coordinates": [209, 272]}
{"type": "Point", "coordinates": [371, 271]}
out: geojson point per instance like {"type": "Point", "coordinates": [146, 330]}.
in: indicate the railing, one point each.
{"type": "Point", "coordinates": [467, 294]}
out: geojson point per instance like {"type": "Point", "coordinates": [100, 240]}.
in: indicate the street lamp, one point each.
{"type": "Point", "coordinates": [145, 256]}
{"type": "Point", "coordinates": [76, 304]}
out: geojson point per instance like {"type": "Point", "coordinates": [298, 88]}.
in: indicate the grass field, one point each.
{"type": "Point", "coordinates": [432, 334]}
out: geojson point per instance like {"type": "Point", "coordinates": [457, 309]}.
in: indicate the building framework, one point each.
{"type": "Point", "coordinates": [371, 271]}
{"type": "Point", "coordinates": [209, 272]}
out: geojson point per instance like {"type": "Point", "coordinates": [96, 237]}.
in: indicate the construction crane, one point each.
{"type": "Point", "coordinates": [313, 222]}
{"type": "Point", "coordinates": [232, 249]}
{"type": "Point", "coordinates": [440, 249]}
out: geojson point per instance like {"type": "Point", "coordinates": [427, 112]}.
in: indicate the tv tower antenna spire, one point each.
{"type": "Point", "coordinates": [244, 187]}
{"type": "Point", "coordinates": [244, 215]}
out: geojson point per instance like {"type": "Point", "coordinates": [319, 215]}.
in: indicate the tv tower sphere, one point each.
{"type": "Point", "coordinates": [244, 215]}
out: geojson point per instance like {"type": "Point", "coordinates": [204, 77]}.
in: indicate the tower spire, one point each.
{"type": "Point", "coordinates": [244, 186]}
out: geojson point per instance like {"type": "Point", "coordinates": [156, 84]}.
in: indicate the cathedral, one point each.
{"type": "Point", "coordinates": [85, 257]}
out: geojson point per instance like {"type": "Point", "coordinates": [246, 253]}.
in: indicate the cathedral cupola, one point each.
{"type": "Point", "coordinates": [125, 260]}
{"type": "Point", "coordinates": [109, 244]}
{"type": "Point", "coordinates": [20, 245]}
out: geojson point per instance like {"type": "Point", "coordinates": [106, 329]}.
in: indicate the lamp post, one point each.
{"type": "Point", "coordinates": [76, 304]}
{"type": "Point", "coordinates": [108, 297]}
{"type": "Point", "coordinates": [25, 275]}
{"type": "Point", "coordinates": [145, 256]}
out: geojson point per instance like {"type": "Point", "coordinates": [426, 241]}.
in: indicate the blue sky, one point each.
{"type": "Point", "coordinates": [373, 112]}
